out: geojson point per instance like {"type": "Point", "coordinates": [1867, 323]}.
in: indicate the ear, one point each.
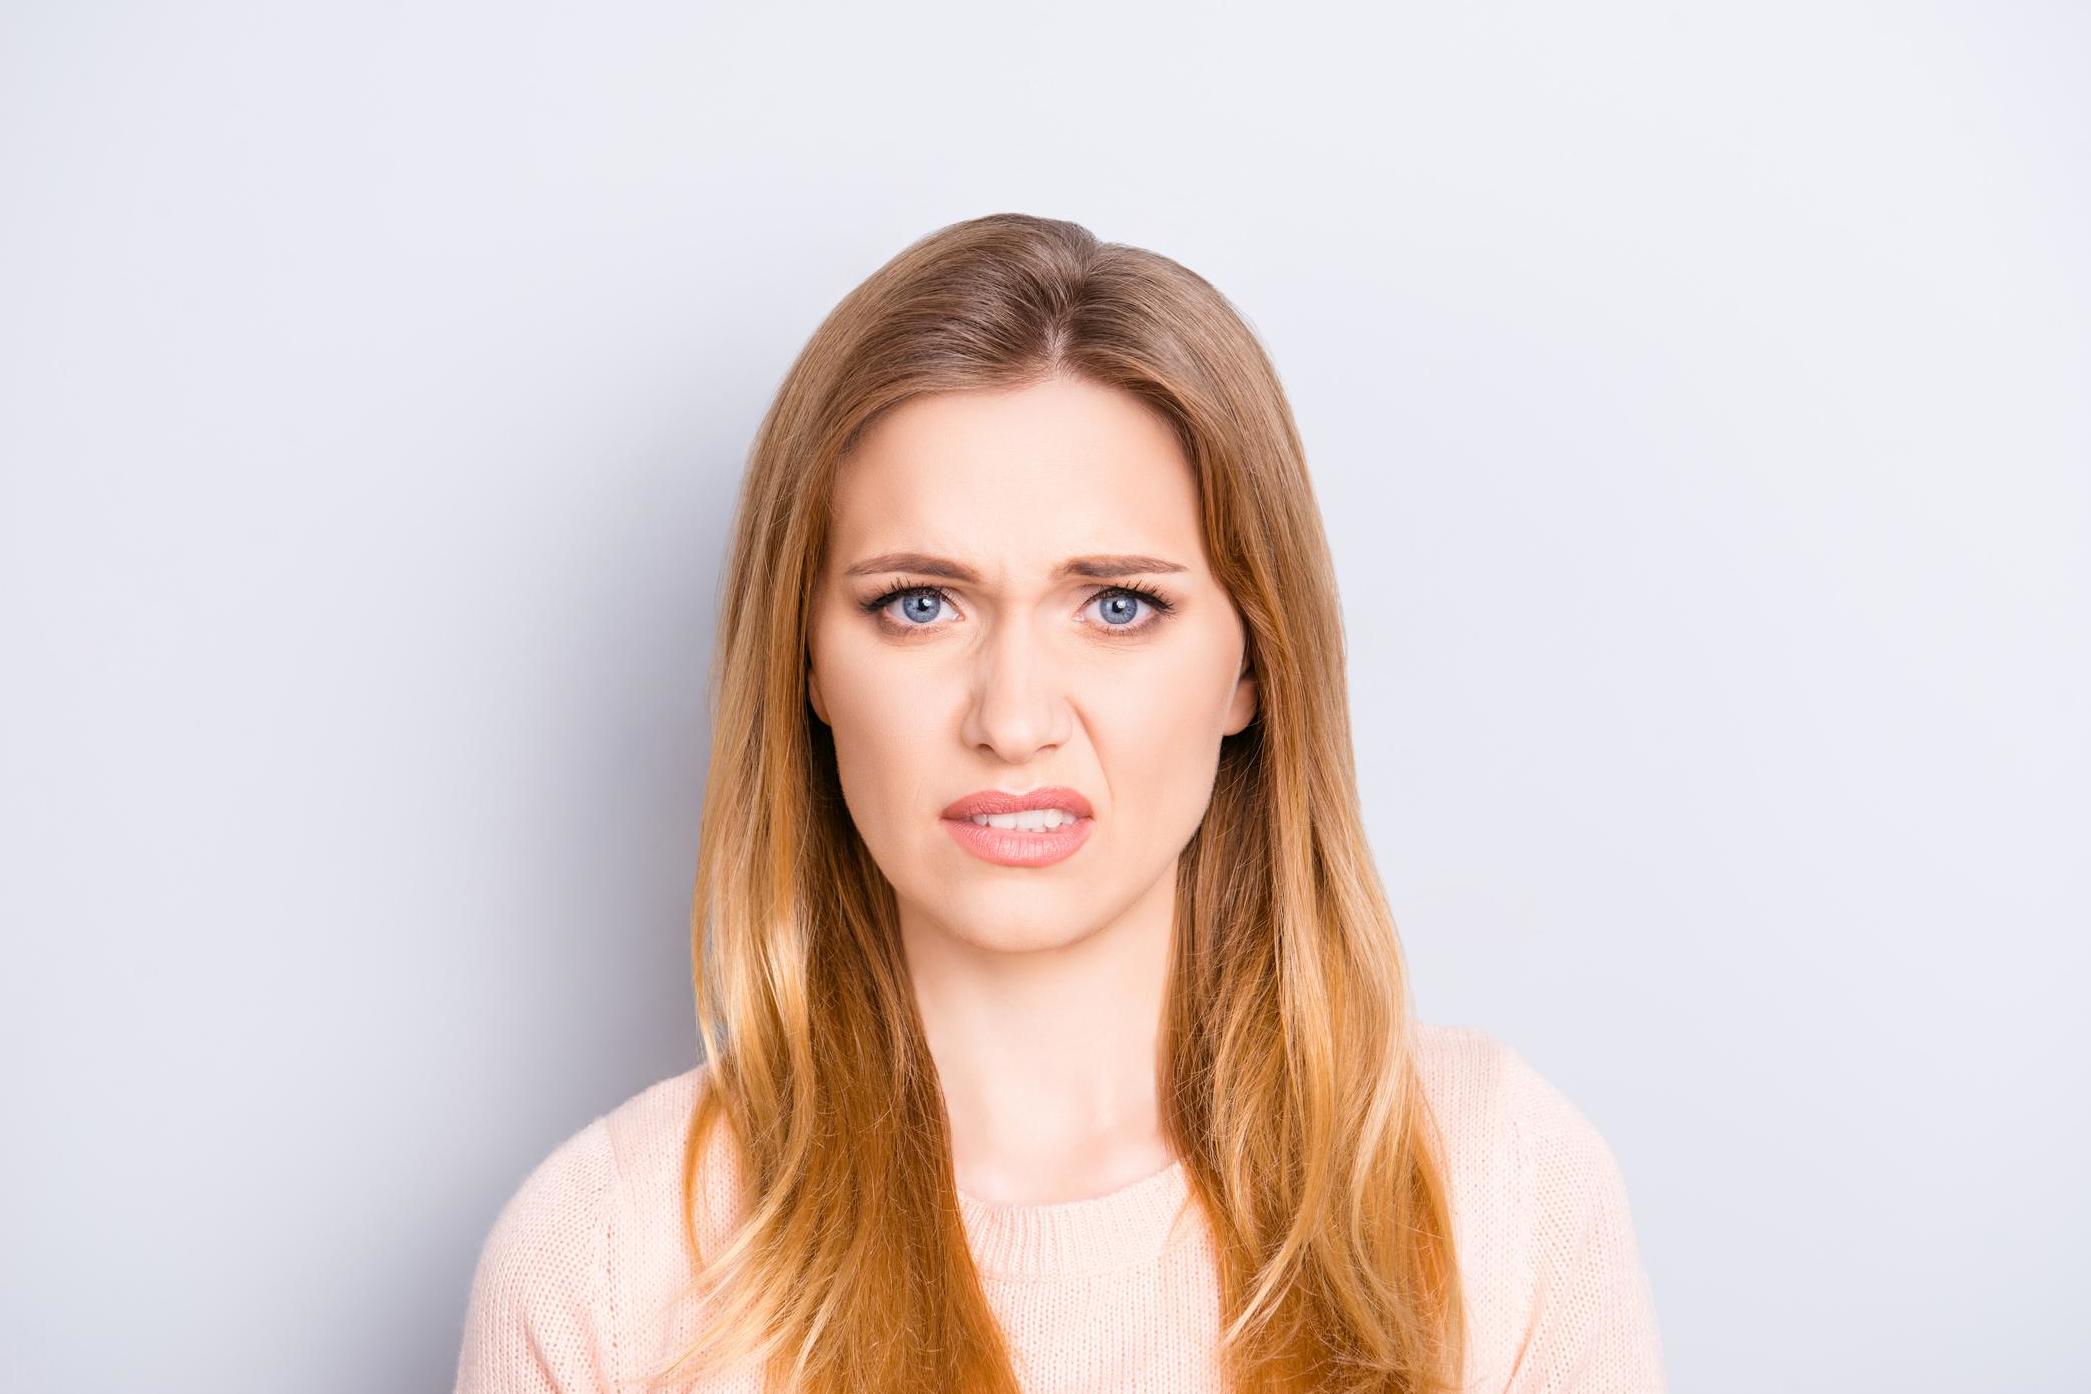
{"type": "Point", "coordinates": [820, 708]}
{"type": "Point", "coordinates": [1242, 709]}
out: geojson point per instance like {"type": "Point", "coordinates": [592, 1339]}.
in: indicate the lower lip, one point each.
{"type": "Point", "coordinates": [1015, 846]}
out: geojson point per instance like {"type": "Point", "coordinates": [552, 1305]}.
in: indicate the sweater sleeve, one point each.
{"type": "Point", "coordinates": [1591, 1323]}
{"type": "Point", "coordinates": [537, 1320]}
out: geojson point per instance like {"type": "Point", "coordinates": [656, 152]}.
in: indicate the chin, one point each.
{"type": "Point", "coordinates": [1011, 919]}
{"type": "Point", "coordinates": [1024, 940]}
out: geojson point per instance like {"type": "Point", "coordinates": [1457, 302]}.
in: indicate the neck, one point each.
{"type": "Point", "coordinates": [1048, 1057]}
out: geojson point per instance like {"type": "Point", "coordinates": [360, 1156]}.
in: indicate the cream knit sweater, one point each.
{"type": "Point", "coordinates": [576, 1286]}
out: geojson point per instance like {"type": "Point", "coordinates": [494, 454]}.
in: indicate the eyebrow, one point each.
{"type": "Point", "coordinates": [1098, 568]}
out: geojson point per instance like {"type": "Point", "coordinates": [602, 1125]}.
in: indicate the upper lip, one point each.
{"type": "Point", "coordinates": [1000, 801]}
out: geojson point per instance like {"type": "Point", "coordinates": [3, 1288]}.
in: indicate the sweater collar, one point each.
{"type": "Point", "coordinates": [1075, 1238]}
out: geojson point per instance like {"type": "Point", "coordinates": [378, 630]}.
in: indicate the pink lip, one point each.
{"type": "Point", "coordinates": [1014, 846]}
{"type": "Point", "coordinates": [997, 801]}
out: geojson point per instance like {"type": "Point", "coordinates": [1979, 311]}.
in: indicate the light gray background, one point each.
{"type": "Point", "coordinates": [1696, 397]}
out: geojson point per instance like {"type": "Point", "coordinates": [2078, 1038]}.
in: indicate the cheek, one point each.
{"type": "Point", "coordinates": [878, 762]}
{"type": "Point", "coordinates": [1158, 747]}
{"type": "Point", "coordinates": [885, 746]}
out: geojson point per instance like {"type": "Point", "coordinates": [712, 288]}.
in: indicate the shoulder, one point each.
{"type": "Point", "coordinates": [648, 1139]}
{"type": "Point", "coordinates": [646, 1132]}
{"type": "Point", "coordinates": [553, 1219]}
{"type": "Point", "coordinates": [1464, 1071]}
{"type": "Point", "coordinates": [540, 1293]}
{"type": "Point", "coordinates": [1545, 1232]}
{"type": "Point", "coordinates": [1497, 1111]}
{"type": "Point", "coordinates": [563, 1206]}
{"type": "Point", "coordinates": [593, 1228]}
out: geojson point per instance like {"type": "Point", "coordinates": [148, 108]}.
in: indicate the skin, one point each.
{"type": "Point", "coordinates": [1041, 988]}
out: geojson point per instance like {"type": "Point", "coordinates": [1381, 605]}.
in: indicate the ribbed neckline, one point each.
{"type": "Point", "coordinates": [1073, 1238]}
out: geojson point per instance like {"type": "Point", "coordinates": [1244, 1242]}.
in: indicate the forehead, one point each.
{"type": "Point", "coordinates": [1018, 478]}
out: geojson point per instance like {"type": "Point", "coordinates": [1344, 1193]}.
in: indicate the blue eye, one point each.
{"type": "Point", "coordinates": [1121, 602]}
{"type": "Point", "coordinates": [917, 603]}
{"type": "Point", "coordinates": [919, 607]}
{"type": "Point", "coordinates": [920, 604]}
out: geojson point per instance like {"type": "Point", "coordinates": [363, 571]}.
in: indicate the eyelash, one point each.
{"type": "Point", "coordinates": [1161, 605]}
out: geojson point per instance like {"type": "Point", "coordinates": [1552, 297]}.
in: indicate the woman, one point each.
{"type": "Point", "coordinates": [1056, 1028]}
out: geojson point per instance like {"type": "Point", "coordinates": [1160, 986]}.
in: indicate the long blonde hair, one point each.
{"type": "Point", "coordinates": [1289, 1087]}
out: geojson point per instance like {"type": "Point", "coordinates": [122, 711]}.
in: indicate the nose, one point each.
{"type": "Point", "coordinates": [1018, 704]}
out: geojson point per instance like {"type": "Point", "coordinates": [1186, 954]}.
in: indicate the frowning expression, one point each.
{"type": "Point", "coordinates": [1016, 596]}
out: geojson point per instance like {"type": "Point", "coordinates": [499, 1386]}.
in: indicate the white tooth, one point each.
{"type": "Point", "coordinates": [1030, 820]}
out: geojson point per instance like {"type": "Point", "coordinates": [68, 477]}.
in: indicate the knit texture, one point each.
{"type": "Point", "coordinates": [580, 1283]}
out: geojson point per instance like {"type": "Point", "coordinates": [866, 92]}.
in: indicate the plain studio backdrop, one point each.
{"type": "Point", "coordinates": [1696, 398]}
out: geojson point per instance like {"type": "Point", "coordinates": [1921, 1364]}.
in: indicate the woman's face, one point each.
{"type": "Point", "coordinates": [979, 662]}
